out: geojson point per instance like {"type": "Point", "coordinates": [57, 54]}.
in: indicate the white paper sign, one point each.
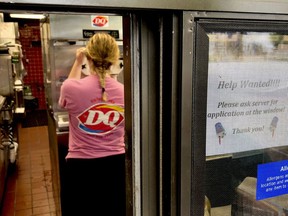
{"type": "Point", "coordinates": [247, 106]}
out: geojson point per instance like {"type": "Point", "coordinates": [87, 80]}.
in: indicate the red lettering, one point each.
{"type": "Point", "coordinates": [100, 21]}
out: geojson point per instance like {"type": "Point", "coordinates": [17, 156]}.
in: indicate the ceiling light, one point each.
{"type": "Point", "coordinates": [28, 16]}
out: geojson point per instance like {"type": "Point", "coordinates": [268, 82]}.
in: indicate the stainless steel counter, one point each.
{"type": "Point", "coordinates": [58, 129]}
{"type": "Point", "coordinates": [62, 121]}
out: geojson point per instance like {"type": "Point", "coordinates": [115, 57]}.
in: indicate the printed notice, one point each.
{"type": "Point", "coordinates": [246, 106]}
{"type": "Point", "coordinates": [272, 179]}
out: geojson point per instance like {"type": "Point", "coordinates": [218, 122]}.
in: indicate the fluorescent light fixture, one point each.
{"type": "Point", "coordinates": [28, 16]}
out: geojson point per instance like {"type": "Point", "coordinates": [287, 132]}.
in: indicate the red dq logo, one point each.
{"type": "Point", "coordinates": [101, 118]}
{"type": "Point", "coordinates": [100, 21]}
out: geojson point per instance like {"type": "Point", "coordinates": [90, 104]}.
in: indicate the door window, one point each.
{"type": "Point", "coordinates": [247, 127]}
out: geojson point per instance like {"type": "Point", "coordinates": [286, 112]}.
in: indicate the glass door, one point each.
{"type": "Point", "coordinates": [247, 125]}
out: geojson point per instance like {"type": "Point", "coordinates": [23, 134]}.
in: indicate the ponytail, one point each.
{"type": "Point", "coordinates": [103, 50]}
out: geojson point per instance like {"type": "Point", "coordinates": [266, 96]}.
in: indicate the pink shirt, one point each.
{"type": "Point", "coordinates": [96, 128]}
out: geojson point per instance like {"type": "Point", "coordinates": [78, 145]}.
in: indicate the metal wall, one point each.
{"type": "Point", "coordinates": [259, 6]}
{"type": "Point", "coordinates": [69, 26]}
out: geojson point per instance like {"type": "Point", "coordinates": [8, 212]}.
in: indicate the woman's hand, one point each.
{"type": "Point", "coordinates": [75, 72]}
{"type": "Point", "coordinates": [80, 54]}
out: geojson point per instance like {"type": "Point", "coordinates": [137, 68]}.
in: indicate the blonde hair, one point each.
{"type": "Point", "coordinates": [103, 51]}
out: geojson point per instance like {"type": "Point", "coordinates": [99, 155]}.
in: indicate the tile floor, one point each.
{"type": "Point", "coordinates": [29, 187]}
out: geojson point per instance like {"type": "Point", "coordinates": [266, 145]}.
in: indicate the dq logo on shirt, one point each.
{"type": "Point", "coordinates": [101, 118]}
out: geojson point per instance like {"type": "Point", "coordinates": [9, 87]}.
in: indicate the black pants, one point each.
{"type": "Point", "coordinates": [95, 187]}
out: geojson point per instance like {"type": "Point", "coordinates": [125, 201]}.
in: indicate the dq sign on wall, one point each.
{"type": "Point", "coordinates": [100, 21]}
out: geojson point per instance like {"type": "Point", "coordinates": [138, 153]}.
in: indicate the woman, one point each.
{"type": "Point", "coordinates": [96, 154]}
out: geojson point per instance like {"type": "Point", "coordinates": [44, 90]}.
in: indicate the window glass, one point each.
{"type": "Point", "coordinates": [247, 123]}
